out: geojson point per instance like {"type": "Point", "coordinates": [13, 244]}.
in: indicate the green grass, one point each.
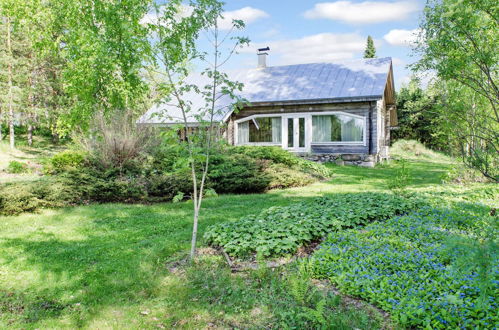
{"type": "Point", "coordinates": [121, 266]}
{"type": "Point", "coordinates": [34, 156]}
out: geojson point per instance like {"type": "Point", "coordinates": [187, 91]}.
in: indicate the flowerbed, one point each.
{"type": "Point", "coordinates": [431, 269]}
{"type": "Point", "coordinates": [281, 230]}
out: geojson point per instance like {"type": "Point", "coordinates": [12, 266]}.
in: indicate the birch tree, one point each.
{"type": "Point", "coordinates": [176, 29]}
{"type": "Point", "coordinates": [459, 41]}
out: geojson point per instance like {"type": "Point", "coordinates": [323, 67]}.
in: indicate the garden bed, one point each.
{"type": "Point", "coordinates": [432, 269]}
{"type": "Point", "coordinates": [279, 231]}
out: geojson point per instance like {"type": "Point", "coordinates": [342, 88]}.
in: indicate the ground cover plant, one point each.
{"type": "Point", "coordinates": [120, 265]}
{"type": "Point", "coordinates": [281, 230]}
{"type": "Point", "coordinates": [435, 268]}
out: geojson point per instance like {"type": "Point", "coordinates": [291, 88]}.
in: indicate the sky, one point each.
{"type": "Point", "coordinates": [308, 31]}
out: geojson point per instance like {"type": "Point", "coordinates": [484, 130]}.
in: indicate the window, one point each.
{"type": "Point", "coordinates": [260, 130]}
{"type": "Point", "coordinates": [337, 128]}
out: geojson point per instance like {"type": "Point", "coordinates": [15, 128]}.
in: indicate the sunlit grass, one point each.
{"type": "Point", "coordinates": [120, 266]}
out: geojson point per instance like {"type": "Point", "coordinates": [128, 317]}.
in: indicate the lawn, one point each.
{"type": "Point", "coordinates": [33, 156]}
{"type": "Point", "coordinates": [122, 266]}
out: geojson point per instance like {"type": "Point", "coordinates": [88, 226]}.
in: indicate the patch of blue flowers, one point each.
{"type": "Point", "coordinates": [408, 266]}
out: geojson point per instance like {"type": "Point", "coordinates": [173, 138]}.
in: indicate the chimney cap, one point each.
{"type": "Point", "coordinates": [263, 49]}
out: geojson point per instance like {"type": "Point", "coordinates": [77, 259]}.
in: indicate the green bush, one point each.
{"type": "Point", "coordinates": [282, 176]}
{"type": "Point", "coordinates": [277, 155]}
{"type": "Point", "coordinates": [17, 198]}
{"type": "Point", "coordinates": [16, 167]}
{"type": "Point", "coordinates": [64, 161]}
{"type": "Point", "coordinates": [165, 187]}
{"type": "Point", "coordinates": [237, 174]}
{"type": "Point", "coordinates": [462, 175]}
{"type": "Point", "coordinates": [281, 230]}
{"type": "Point", "coordinates": [161, 176]}
{"type": "Point", "coordinates": [412, 267]}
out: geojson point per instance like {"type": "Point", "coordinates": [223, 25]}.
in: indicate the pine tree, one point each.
{"type": "Point", "coordinates": [370, 51]}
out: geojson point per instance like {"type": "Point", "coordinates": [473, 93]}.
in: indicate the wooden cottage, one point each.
{"type": "Point", "coordinates": [339, 112]}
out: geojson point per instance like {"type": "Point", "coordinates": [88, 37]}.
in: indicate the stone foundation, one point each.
{"type": "Point", "coordinates": [344, 159]}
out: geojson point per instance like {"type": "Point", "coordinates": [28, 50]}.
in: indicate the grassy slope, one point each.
{"type": "Point", "coordinates": [33, 156]}
{"type": "Point", "coordinates": [114, 265]}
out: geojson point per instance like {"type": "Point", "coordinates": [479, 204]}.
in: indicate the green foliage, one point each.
{"type": "Point", "coordinates": [16, 199]}
{"type": "Point", "coordinates": [237, 174]}
{"type": "Point", "coordinates": [463, 175]}
{"type": "Point", "coordinates": [161, 176]}
{"type": "Point", "coordinates": [402, 177]}
{"type": "Point", "coordinates": [281, 230]}
{"type": "Point", "coordinates": [407, 266]}
{"type": "Point", "coordinates": [104, 47]}
{"type": "Point", "coordinates": [370, 51]}
{"type": "Point", "coordinates": [30, 196]}
{"type": "Point", "coordinates": [459, 42]}
{"type": "Point", "coordinates": [421, 116]}
{"type": "Point", "coordinates": [282, 176]}
{"type": "Point", "coordinates": [278, 155]}
{"type": "Point", "coordinates": [16, 167]}
{"type": "Point", "coordinates": [64, 161]}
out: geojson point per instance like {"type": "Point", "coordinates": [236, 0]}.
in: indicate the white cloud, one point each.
{"type": "Point", "coordinates": [398, 37]}
{"type": "Point", "coordinates": [246, 14]}
{"type": "Point", "coordinates": [152, 17]}
{"type": "Point", "coordinates": [323, 47]}
{"type": "Point", "coordinates": [364, 12]}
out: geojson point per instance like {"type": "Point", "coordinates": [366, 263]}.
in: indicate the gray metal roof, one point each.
{"type": "Point", "coordinates": [361, 79]}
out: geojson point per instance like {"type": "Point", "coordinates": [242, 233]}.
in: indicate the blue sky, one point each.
{"type": "Point", "coordinates": [310, 31]}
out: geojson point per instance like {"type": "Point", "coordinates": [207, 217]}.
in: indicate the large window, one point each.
{"type": "Point", "coordinates": [337, 128]}
{"type": "Point", "coordinates": [260, 130]}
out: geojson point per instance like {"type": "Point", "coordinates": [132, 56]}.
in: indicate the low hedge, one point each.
{"type": "Point", "coordinates": [428, 269]}
{"type": "Point", "coordinates": [282, 230]}
{"type": "Point", "coordinates": [75, 179]}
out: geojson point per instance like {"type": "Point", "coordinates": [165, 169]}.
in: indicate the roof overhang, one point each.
{"type": "Point", "coordinates": [309, 102]}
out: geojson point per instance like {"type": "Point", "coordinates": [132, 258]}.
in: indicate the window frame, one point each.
{"type": "Point", "coordinates": [308, 125]}
{"type": "Point", "coordinates": [329, 113]}
{"type": "Point", "coordinates": [252, 118]}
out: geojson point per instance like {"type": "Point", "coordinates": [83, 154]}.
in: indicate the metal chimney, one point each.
{"type": "Point", "coordinates": [262, 57]}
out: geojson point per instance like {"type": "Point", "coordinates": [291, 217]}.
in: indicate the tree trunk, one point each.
{"type": "Point", "coordinates": [30, 135]}
{"type": "Point", "coordinates": [11, 100]}
{"type": "Point", "coordinates": [194, 231]}
{"type": "Point", "coordinates": [55, 137]}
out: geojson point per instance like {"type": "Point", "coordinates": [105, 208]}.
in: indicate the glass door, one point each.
{"type": "Point", "coordinates": [295, 133]}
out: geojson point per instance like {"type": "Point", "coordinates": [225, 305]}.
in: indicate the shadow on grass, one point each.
{"type": "Point", "coordinates": [82, 260]}
{"type": "Point", "coordinates": [113, 255]}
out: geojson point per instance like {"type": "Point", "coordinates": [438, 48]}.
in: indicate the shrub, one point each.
{"type": "Point", "coordinates": [401, 179]}
{"type": "Point", "coordinates": [64, 161]}
{"type": "Point", "coordinates": [282, 176]}
{"type": "Point", "coordinates": [407, 267]}
{"type": "Point", "coordinates": [165, 187]}
{"type": "Point", "coordinates": [237, 174]}
{"type": "Point", "coordinates": [463, 174]}
{"type": "Point", "coordinates": [281, 230]}
{"type": "Point", "coordinates": [275, 154]}
{"type": "Point", "coordinates": [278, 155]}
{"type": "Point", "coordinates": [15, 198]}
{"type": "Point", "coordinates": [117, 142]}
{"type": "Point", "coordinates": [16, 167]}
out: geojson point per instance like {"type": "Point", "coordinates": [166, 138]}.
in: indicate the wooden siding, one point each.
{"type": "Point", "coordinates": [356, 108]}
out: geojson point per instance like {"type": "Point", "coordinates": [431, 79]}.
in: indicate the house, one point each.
{"type": "Point", "coordinates": [339, 112]}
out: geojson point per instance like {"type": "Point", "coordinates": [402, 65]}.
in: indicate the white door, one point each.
{"type": "Point", "coordinates": [295, 133]}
